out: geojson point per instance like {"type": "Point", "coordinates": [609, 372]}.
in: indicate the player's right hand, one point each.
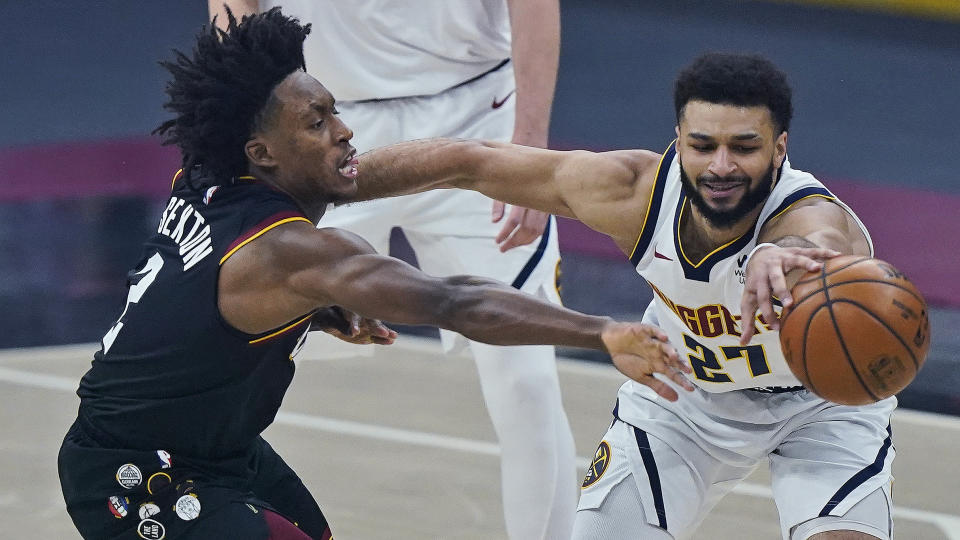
{"type": "Point", "coordinates": [641, 350]}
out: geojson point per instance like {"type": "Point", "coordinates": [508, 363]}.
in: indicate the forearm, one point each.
{"type": "Point", "coordinates": [494, 313]}
{"type": "Point", "coordinates": [412, 167]}
{"type": "Point", "coordinates": [535, 28]}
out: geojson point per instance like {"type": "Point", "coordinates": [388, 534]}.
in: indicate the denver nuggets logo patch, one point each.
{"type": "Point", "coordinates": [599, 465]}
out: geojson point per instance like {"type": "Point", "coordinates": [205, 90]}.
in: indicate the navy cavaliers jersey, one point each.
{"type": "Point", "coordinates": [172, 373]}
{"type": "Point", "coordinates": [697, 303]}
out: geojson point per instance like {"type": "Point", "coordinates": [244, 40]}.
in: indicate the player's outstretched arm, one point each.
{"type": "Point", "coordinates": [798, 241]}
{"type": "Point", "coordinates": [607, 191]}
{"type": "Point", "coordinates": [295, 268]}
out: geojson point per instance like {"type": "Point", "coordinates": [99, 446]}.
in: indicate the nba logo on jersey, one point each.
{"type": "Point", "coordinates": [165, 459]}
{"type": "Point", "coordinates": [209, 194]}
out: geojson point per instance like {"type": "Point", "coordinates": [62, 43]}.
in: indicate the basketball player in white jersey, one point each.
{"type": "Point", "coordinates": [403, 70]}
{"type": "Point", "coordinates": [720, 225]}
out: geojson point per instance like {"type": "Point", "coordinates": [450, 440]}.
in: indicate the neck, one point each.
{"type": "Point", "coordinates": [312, 208]}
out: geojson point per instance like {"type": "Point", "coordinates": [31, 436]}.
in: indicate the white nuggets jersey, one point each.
{"type": "Point", "coordinates": [697, 303]}
{"type": "Point", "coordinates": [381, 49]}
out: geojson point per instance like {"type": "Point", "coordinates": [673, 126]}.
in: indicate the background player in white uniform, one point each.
{"type": "Point", "coordinates": [404, 70]}
{"type": "Point", "coordinates": [720, 225]}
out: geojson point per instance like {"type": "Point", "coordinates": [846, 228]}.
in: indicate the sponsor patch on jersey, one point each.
{"type": "Point", "coordinates": [166, 460]}
{"type": "Point", "coordinates": [598, 466]}
{"type": "Point", "coordinates": [157, 481]}
{"type": "Point", "coordinates": [148, 509]}
{"type": "Point", "coordinates": [129, 475]}
{"type": "Point", "coordinates": [118, 506]}
{"type": "Point", "coordinates": [187, 507]}
{"type": "Point", "coordinates": [150, 529]}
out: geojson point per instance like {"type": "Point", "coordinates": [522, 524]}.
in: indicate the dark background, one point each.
{"type": "Point", "coordinates": [82, 183]}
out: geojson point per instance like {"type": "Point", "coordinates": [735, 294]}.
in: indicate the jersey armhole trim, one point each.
{"type": "Point", "coordinates": [273, 221]}
{"type": "Point", "coordinates": [283, 330]}
{"type": "Point", "coordinates": [653, 205]}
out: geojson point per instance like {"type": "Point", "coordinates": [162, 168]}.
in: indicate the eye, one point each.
{"type": "Point", "coordinates": [745, 149]}
{"type": "Point", "coordinates": [335, 111]}
{"type": "Point", "coordinates": [702, 147]}
{"type": "Point", "coordinates": [318, 124]}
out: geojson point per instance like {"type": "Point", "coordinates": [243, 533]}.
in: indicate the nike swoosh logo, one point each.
{"type": "Point", "coordinates": [497, 104]}
{"type": "Point", "coordinates": [659, 255]}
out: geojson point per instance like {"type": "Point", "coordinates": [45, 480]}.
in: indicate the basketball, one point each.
{"type": "Point", "coordinates": [858, 331]}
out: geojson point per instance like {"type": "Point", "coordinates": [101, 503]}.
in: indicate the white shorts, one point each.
{"type": "Point", "coordinates": [685, 456]}
{"type": "Point", "coordinates": [450, 230]}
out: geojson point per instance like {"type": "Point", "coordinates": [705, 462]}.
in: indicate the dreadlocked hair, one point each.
{"type": "Point", "coordinates": [220, 95]}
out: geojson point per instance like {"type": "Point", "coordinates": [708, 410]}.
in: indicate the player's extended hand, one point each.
{"type": "Point", "coordinates": [640, 350]}
{"type": "Point", "coordinates": [351, 327]}
{"type": "Point", "coordinates": [522, 226]}
{"type": "Point", "coordinates": [766, 277]}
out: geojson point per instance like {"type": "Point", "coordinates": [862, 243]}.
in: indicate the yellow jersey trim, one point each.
{"type": "Point", "coordinates": [282, 330]}
{"type": "Point", "coordinates": [261, 232]}
{"type": "Point", "coordinates": [680, 241]}
{"type": "Point", "coordinates": [653, 189]}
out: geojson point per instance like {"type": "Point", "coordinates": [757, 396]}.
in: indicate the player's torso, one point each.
{"type": "Point", "coordinates": [171, 357]}
{"type": "Point", "coordinates": [378, 49]}
{"type": "Point", "coordinates": [697, 299]}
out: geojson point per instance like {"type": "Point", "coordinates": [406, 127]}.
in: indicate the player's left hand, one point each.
{"type": "Point", "coordinates": [352, 328]}
{"type": "Point", "coordinates": [766, 278]}
{"type": "Point", "coordinates": [522, 226]}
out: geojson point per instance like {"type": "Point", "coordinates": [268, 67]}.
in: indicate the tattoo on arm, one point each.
{"type": "Point", "coordinates": [793, 241]}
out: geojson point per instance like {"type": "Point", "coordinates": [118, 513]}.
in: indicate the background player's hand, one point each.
{"type": "Point", "coordinates": [522, 226]}
{"type": "Point", "coordinates": [768, 275]}
{"type": "Point", "coordinates": [351, 327]}
{"type": "Point", "coordinates": [640, 350]}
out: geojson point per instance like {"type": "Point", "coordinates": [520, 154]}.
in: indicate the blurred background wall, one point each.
{"type": "Point", "coordinates": [876, 86]}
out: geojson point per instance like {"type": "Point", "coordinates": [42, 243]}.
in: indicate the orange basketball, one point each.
{"type": "Point", "coordinates": [858, 331]}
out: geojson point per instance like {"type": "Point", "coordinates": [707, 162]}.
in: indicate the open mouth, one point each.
{"type": "Point", "coordinates": [722, 189]}
{"type": "Point", "coordinates": [348, 167]}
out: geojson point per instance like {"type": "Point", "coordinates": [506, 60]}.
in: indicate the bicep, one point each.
{"type": "Point", "coordinates": [347, 272]}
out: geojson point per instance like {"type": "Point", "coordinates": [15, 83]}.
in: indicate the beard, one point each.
{"type": "Point", "coordinates": [725, 219]}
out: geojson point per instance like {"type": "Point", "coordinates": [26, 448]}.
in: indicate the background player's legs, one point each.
{"type": "Point", "coordinates": [537, 467]}
{"type": "Point", "coordinates": [621, 516]}
{"type": "Point", "coordinates": [520, 387]}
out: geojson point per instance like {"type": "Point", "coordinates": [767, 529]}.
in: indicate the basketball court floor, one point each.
{"type": "Point", "coordinates": [398, 446]}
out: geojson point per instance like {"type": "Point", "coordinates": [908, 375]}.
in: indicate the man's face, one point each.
{"type": "Point", "coordinates": [309, 146]}
{"type": "Point", "coordinates": [728, 158]}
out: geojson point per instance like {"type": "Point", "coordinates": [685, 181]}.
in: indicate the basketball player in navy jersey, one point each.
{"type": "Point", "coordinates": [477, 69]}
{"type": "Point", "coordinates": [167, 438]}
{"type": "Point", "coordinates": [720, 225]}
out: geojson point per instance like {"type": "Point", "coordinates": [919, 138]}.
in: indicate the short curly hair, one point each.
{"type": "Point", "coordinates": [736, 79]}
{"type": "Point", "coordinates": [223, 94]}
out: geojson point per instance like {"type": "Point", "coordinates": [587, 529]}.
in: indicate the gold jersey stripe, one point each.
{"type": "Point", "coordinates": [653, 189]}
{"type": "Point", "coordinates": [260, 232]}
{"type": "Point", "coordinates": [282, 330]}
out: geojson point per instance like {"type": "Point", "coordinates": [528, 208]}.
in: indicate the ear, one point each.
{"type": "Point", "coordinates": [258, 153]}
{"type": "Point", "coordinates": [780, 149]}
{"type": "Point", "coordinates": [676, 129]}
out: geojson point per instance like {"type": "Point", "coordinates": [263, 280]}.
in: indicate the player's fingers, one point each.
{"type": "Point", "coordinates": [801, 261]}
{"type": "Point", "coordinates": [819, 253]}
{"type": "Point", "coordinates": [663, 389]}
{"type": "Point", "coordinates": [765, 304]}
{"type": "Point", "coordinates": [509, 226]}
{"type": "Point", "coordinates": [496, 212]}
{"type": "Point", "coordinates": [674, 359]}
{"type": "Point", "coordinates": [382, 340]}
{"type": "Point", "coordinates": [748, 308]}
